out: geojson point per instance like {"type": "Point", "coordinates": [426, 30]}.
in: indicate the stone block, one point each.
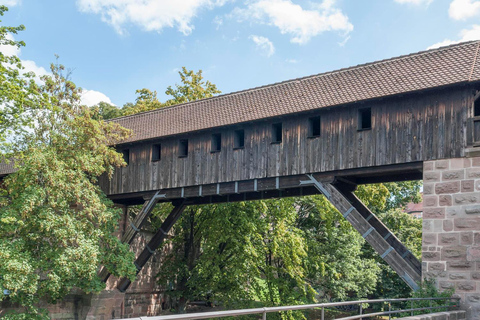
{"type": "Point", "coordinates": [428, 188]}
{"type": "Point", "coordinates": [445, 200]}
{"type": "Point", "coordinates": [473, 173]}
{"type": "Point", "coordinates": [466, 224]}
{"type": "Point", "coordinates": [446, 285]}
{"type": "Point", "coordinates": [466, 198]}
{"type": "Point", "coordinates": [465, 286]}
{"type": "Point", "coordinates": [472, 209]}
{"type": "Point", "coordinates": [459, 276]}
{"type": "Point", "coordinates": [447, 187]}
{"type": "Point", "coordinates": [431, 256]}
{"type": "Point", "coordinates": [451, 253]}
{"type": "Point", "coordinates": [466, 238]}
{"type": "Point", "coordinates": [430, 201]}
{"type": "Point", "coordinates": [476, 238]}
{"type": "Point", "coordinates": [452, 175]}
{"type": "Point", "coordinates": [452, 212]}
{"type": "Point", "coordinates": [427, 225]}
{"type": "Point", "coordinates": [447, 225]}
{"type": "Point", "coordinates": [431, 176]}
{"type": "Point", "coordinates": [428, 166]}
{"type": "Point", "coordinates": [442, 164]}
{"type": "Point", "coordinates": [437, 266]}
{"type": "Point", "coordinates": [460, 265]}
{"type": "Point", "coordinates": [451, 238]}
{"type": "Point", "coordinates": [460, 163]}
{"type": "Point", "coordinates": [434, 213]}
{"type": "Point", "coordinates": [429, 239]}
{"type": "Point", "coordinates": [473, 253]}
{"type": "Point", "coordinates": [475, 275]}
{"type": "Point", "coordinates": [468, 185]}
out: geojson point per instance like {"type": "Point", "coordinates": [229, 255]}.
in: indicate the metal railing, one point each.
{"type": "Point", "coordinates": [449, 304]}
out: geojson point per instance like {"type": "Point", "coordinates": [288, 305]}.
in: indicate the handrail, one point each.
{"type": "Point", "coordinates": [265, 310]}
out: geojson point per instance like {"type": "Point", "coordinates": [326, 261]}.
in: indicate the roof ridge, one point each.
{"type": "Point", "coordinates": [474, 62]}
{"type": "Point", "coordinates": [359, 66]}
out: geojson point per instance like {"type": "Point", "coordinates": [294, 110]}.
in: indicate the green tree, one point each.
{"type": "Point", "coordinates": [386, 201]}
{"type": "Point", "coordinates": [18, 91]}
{"type": "Point", "coordinates": [57, 225]}
{"type": "Point", "coordinates": [105, 111]}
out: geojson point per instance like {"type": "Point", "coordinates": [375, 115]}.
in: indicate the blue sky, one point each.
{"type": "Point", "coordinates": [117, 46]}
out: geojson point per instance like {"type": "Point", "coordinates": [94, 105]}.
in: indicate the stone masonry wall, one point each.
{"type": "Point", "coordinates": [451, 228]}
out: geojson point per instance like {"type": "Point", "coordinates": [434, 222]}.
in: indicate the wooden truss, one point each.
{"type": "Point", "coordinates": [337, 189]}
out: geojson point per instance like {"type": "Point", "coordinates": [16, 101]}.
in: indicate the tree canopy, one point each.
{"type": "Point", "coordinates": [57, 225]}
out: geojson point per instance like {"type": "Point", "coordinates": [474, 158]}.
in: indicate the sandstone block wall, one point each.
{"type": "Point", "coordinates": [451, 227]}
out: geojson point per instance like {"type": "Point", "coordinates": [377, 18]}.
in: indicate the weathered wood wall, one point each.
{"type": "Point", "coordinates": [417, 127]}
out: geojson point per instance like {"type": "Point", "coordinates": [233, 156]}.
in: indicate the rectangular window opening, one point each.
{"type": "Point", "coordinates": [476, 108]}
{"type": "Point", "coordinates": [239, 139]}
{"type": "Point", "coordinates": [183, 148]}
{"type": "Point", "coordinates": [314, 127]}
{"type": "Point", "coordinates": [364, 119]}
{"type": "Point", "coordinates": [156, 152]}
{"type": "Point", "coordinates": [277, 132]}
{"type": "Point", "coordinates": [126, 156]}
{"type": "Point", "coordinates": [216, 142]}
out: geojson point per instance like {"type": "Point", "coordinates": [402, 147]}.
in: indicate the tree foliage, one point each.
{"type": "Point", "coordinates": [57, 225]}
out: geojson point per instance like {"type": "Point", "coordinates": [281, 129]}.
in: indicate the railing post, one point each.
{"type": "Point", "coordinates": [430, 306]}
{"type": "Point", "coordinates": [411, 307]}
{"type": "Point", "coordinates": [389, 310]}
{"type": "Point", "coordinates": [264, 315]}
{"type": "Point", "coordinates": [361, 310]}
{"type": "Point", "coordinates": [323, 313]}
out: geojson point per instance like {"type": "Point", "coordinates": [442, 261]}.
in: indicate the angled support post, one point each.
{"type": "Point", "coordinates": [134, 226]}
{"type": "Point", "coordinates": [154, 243]}
{"type": "Point", "coordinates": [372, 230]}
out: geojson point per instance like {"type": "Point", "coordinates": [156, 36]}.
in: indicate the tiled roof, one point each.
{"type": "Point", "coordinates": [424, 70]}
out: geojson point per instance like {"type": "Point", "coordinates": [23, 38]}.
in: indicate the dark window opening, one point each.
{"type": "Point", "coordinates": [239, 139]}
{"type": "Point", "coordinates": [216, 142]}
{"type": "Point", "coordinates": [364, 119]}
{"type": "Point", "coordinates": [183, 148]}
{"type": "Point", "coordinates": [476, 108]}
{"type": "Point", "coordinates": [276, 132]}
{"type": "Point", "coordinates": [156, 152]}
{"type": "Point", "coordinates": [314, 127]}
{"type": "Point", "coordinates": [126, 156]}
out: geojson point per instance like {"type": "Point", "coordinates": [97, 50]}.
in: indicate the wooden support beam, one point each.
{"type": "Point", "coordinates": [381, 229]}
{"type": "Point", "coordinates": [135, 225]}
{"type": "Point", "coordinates": [154, 243]}
{"type": "Point", "coordinates": [350, 212]}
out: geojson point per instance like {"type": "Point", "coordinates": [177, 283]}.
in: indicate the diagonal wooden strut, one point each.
{"type": "Point", "coordinates": [394, 242]}
{"type": "Point", "coordinates": [154, 243]}
{"type": "Point", "coordinates": [135, 226]}
{"type": "Point", "coordinates": [373, 231]}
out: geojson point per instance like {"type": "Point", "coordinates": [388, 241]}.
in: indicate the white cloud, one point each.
{"type": "Point", "coordinates": [465, 35]}
{"type": "Point", "coordinates": [28, 65]}
{"type": "Point", "coordinates": [293, 61]}
{"type": "Point", "coordinates": [10, 3]}
{"type": "Point", "coordinates": [264, 45]}
{"type": "Point", "coordinates": [92, 97]}
{"type": "Point", "coordinates": [9, 50]}
{"type": "Point", "coordinates": [294, 20]}
{"type": "Point", "coordinates": [463, 9]}
{"type": "Point", "coordinates": [150, 15]}
{"type": "Point", "coordinates": [415, 2]}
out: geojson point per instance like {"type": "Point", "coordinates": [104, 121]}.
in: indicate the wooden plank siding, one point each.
{"type": "Point", "coordinates": [410, 128]}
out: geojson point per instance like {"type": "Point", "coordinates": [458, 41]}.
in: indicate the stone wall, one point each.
{"type": "Point", "coordinates": [451, 228]}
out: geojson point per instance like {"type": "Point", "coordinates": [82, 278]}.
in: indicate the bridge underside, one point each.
{"type": "Point", "coordinates": [338, 188]}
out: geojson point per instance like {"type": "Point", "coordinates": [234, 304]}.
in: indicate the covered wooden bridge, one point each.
{"type": "Point", "coordinates": [411, 117]}
{"type": "Point", "coordinates": [325, 133]}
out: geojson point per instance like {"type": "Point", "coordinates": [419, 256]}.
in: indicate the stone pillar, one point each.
{"type": "Point", "coordinates": [451, 228]}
